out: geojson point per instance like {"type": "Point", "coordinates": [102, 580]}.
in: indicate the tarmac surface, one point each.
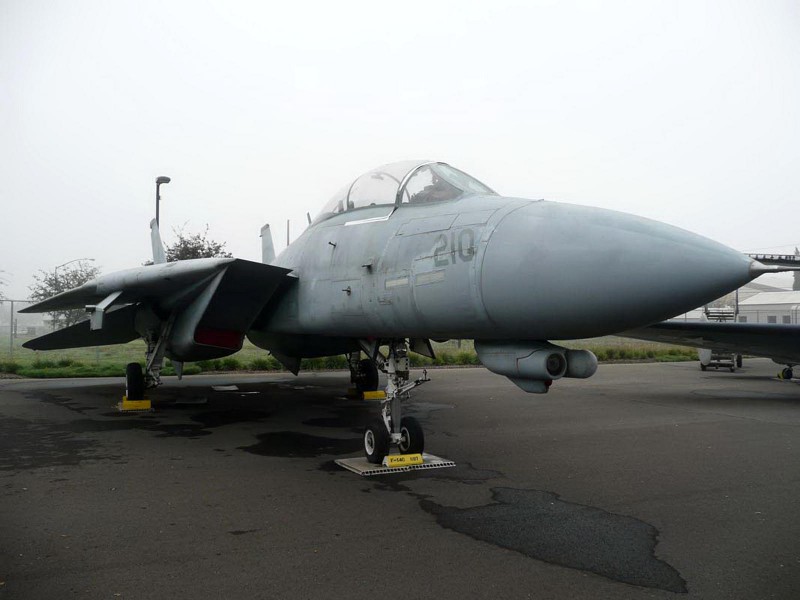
{"type": "Point", "coordinates": [646, 481]}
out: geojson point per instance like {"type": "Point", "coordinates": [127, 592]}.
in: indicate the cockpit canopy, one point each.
{"type": "Point", "coordinates": [412, 181]}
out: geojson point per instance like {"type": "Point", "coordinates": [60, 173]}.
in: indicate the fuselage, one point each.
{"type": "Point", "coordinates": [493, 267]}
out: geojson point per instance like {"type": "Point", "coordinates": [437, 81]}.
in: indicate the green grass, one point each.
{"type": "Point", "coordinates": [110, 361]}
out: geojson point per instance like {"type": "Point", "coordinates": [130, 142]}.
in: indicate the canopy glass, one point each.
{"type": "Point", "coordinates": [412, 181]}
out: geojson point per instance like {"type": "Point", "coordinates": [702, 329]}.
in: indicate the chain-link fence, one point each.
{"type": "Point", "coordinates": [17, 328]}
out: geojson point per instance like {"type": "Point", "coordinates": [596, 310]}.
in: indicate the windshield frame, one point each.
{"type": "Point", "coordinates": [403, 185]}
{"type": "Point", "coordinates": [343, 197]}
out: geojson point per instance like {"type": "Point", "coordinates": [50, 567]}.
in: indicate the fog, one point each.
{"type": "Point", "coordinates": [685, 112]}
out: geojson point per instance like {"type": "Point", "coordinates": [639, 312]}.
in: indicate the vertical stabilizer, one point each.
{"type": "Point", "coordinates": [267, 248]}
{"type": "Point", "coordinates": [158, 247]}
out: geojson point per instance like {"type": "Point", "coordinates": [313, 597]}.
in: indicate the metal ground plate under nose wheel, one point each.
{"type": "Point", "coordinates": [363, 467]}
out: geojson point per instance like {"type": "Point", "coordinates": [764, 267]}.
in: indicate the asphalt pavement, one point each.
{"type": "Point", "coordinates": [645, 481]}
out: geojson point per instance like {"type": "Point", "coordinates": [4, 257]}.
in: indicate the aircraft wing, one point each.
{"type": "Point", "coordinates": [202, 306]}
{"type": "Point", "coordinates": [158, 281]}
{"type": "Point", "coordinates": [778, 342]}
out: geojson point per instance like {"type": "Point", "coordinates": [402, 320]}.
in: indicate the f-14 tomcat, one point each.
{"type": "Point", "coordinates": [407, 253]}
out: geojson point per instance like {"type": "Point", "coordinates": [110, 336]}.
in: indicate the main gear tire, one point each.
{"type": "Point", "coordinates": [134, 381]}
{"type": "Point", "coordinates": [367, 379]}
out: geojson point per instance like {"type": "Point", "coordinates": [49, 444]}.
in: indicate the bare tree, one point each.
{"type": "Point", "coordinates": [48, 284]}
{"type": "Point", "coordinates": [196, 245]}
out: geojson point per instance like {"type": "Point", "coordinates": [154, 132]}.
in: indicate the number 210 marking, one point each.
{"type": "Point", "coordinates": [457, 244]}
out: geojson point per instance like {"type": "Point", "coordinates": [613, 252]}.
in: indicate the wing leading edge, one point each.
{"type": "Point", "coordinates": [201, 307]}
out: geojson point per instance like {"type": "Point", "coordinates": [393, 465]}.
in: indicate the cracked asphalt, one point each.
{"type": "Point", "coordinates": [646, 481]}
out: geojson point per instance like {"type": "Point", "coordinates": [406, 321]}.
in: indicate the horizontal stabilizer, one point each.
{"type": "Point", "coordinates": [118, 328]}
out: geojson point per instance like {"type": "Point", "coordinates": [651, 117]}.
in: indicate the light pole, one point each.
{"type": "Point", "coordinates": [69, 262]}
{"type": "Point", "coordinates": [159, 180]}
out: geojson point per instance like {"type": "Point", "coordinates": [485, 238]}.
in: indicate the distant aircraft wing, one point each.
{"type": "Point", "coordinates": [778, 342]}
{"type": "Point", "coordinates": [212, 301]}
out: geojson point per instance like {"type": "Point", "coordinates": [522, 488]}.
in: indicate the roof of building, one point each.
{"type": "Point", "coordinates": [762, 287]}
{"type": "Point", "coordinates": [788, 297]}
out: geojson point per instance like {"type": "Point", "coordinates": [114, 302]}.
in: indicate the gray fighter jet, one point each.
{"type": "Point", "coordinates": [407, 253]}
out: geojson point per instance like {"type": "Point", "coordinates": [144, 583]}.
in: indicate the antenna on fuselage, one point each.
{"type": "Point", "coordinates": [287, 232]}
{"type": "Point", "coordinates": [308, 216]}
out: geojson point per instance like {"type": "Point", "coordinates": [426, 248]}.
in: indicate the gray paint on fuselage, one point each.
{"type": "Point", "coordinates": [386, 299]}
{"type": "Point", "coordinates": [496, 268]}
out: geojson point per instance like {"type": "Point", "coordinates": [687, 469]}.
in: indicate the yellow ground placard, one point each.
{"type": "Point", "coordinates": [377, 395]}
{"type": "Point", "coordinates": [402, 460]}
{"type": "Point", "coordinates": [134, 404]}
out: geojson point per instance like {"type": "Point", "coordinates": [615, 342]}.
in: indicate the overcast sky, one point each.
{"type": "Point", "coordinates": [685, 112]}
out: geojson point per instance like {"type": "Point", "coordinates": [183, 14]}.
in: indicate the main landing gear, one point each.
{"type": "Point", "coordinates": [137, 380]}
{"type": "Point", "coordinates": [391, 428]}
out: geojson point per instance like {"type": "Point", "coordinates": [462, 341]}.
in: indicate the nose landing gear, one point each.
{"type": "Point", "coordinates": [392, 428]}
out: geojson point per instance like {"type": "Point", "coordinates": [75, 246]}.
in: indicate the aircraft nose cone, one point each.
{"type": "Point", "coordinates": [559, 271]}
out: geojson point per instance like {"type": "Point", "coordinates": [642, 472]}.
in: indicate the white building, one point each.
{"type": "Point", "coordinates": [771, 307]}
{"type": "Point", "coordinates": [744, 293]}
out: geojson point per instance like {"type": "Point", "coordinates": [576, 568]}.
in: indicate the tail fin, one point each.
{"type": "Point", "coordinates": [158, 247]}
{"type": "Point", "coordinates": [267, 248]}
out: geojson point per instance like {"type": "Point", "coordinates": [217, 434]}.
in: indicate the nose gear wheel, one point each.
{"type": "Point", "coordinates": [412, 439]}
{"type": "Point", "coordinates": [376, 442]}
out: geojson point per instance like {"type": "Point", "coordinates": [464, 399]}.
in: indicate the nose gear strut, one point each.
{"type": "Point", "coordinates": [392, 428]}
